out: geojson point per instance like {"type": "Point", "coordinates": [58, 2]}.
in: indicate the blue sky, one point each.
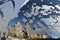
{"type": "Point", "coordinates": [12, 14]}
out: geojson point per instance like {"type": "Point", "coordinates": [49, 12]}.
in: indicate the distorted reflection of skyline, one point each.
{"type": "Point", "coordinates": [45, 15]}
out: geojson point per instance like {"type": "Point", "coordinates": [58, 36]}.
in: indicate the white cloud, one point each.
{"type": "Point", "coordinates": [53, 25]}
{"type": "Point", "coordinates": [47, 9]}
{"type": "Point", "coordinates": [33, 18]}
{"type": "Point", "coordinates": [58, 0]}
{"type": "Point", "coordinates": [30, 21]}
{"type": "Point", "coordinates": [34, 3]}
{"type": "Point", "coordinates": [56, 27]}
{"type": "Point", "coordinates": [43, 12]}
{"type": "Point", "coordinates": [51, 3]}
{"type": "Point", "coordinates": [49, 21]}
{"type": "Point", "coordinates": [24, 20]}
{"type": "Point", "coordinates": [35, 12]}
{"type": "Point", "coordinates": [40, 25]}
{"type": "Point", "coordinates": [42, 0]}
{"type": "Point", "coordinates": [58, 18]}
{"type": "Point", "coordinates": [39, 16]}
{"type": "Point", "coordinates": [28, 14]}
{"type": "Point", "coordinates": [57, 6]}
{"type": "Point", "coordinates": [24, 14]}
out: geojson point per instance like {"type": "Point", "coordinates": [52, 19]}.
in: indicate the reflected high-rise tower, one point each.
{"type": "Point", "coordinates": [27, 25]}
{"type": "Point", "coordinates": [18, 26]}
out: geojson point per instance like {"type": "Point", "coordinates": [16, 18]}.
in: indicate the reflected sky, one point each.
{"type": "Point", "coordinates": [37, 20]}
